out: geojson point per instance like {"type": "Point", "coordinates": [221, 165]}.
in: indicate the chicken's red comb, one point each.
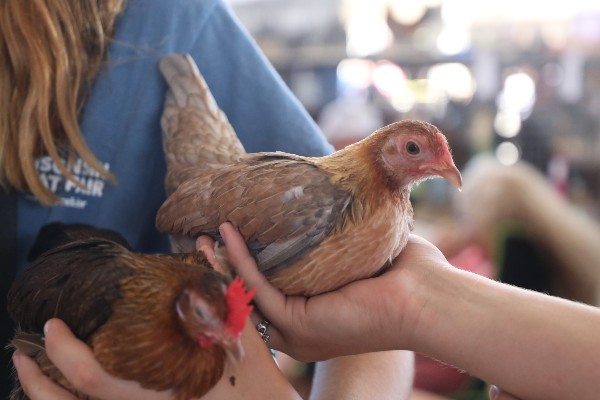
{"type": "Point", "coordinates": [237, 299]}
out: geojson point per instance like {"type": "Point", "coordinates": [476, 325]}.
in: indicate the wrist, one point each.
{"type": "Point", "coordinates": [256, 375]}
{"type": "Point", "coordinates": [447, 305]}
{"type": "Point", "coordinates": [421, 285]}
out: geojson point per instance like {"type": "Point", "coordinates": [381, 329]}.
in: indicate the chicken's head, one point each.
{"type": "Point", "coordinates": [215, 314]}
{"type": "Point", "coordinates": [412, 151]}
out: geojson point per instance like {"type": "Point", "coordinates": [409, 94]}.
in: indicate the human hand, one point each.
{"type": "Point", "coordinates": [255, 375]}
{"type": "Point", "coordinates": [364, 316]}
{"type": "Point", "coordinates": [79, 366]}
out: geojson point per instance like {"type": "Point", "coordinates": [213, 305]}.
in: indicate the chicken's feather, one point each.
{"type": "Point", "coordinates": [190, 109]}
{"type": "Point", "coordinates": [291, 188]}
{"type": "Point", "coordinates": [122, 304]}
{"type": "Point", "coordinates": [57, 292]}
{"type": "Point", "coordinates": [28, 343]}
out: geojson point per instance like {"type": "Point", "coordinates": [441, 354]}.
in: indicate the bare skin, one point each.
{"type": "Point", "coordinates": [505, 335]}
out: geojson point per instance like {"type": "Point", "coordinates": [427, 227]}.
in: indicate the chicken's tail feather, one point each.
{"type": "Point", "coordinates": [28, 343]}
{"type": "Point", "coordinates": [196, 132]}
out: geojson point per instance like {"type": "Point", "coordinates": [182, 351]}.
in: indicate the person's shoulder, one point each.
{"type": "Point", "coordinates": [171, 7]}
{"type": "Point", "coordinates": [162, 25]}
{"type": "Point", "coordinates": [150, 19]}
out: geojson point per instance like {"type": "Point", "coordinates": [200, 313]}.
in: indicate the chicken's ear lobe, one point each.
{"type": "Point", "coordinates": [238, 308]}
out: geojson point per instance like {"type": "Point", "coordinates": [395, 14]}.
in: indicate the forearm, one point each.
{"type": "Point", "coordinates": [381, 375]}
{"type": "Point", "coordinates": [255, 376]}
{"type": "Point", "coordinates": [532, 345]}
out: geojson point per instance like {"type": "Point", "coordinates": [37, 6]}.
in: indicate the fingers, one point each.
{"type": "Point", "coordinates": [35, 383]}
{"type": "Point", "coordinates": [237, 250]}
{"type": "Point", "coordinates": [206, 245]}
{"type": "Point", "coordinates": [275, 338]}
{"type": "Point", "coordinates": [270, 300]}
{"type": "Point", "coordinates": [73, 357]}
{"type": "Point", "coordinates": [78, 364]}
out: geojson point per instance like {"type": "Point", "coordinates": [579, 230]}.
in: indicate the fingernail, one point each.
{"type": "Point", "coordinates": [46, 327]}
{"type": "Point", "coordinates": [221, 229]}
{"type": "Point", "coordinates": [494, 392]}
{"type": "Point", "coordinates": [16, 358]}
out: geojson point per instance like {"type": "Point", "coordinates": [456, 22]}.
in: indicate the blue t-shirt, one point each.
{"type": "Point", "coordinates": [121, 125]}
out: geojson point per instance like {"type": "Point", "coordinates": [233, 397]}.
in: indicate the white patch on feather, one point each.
{"type": "Point", "coordinates": [293, 193]}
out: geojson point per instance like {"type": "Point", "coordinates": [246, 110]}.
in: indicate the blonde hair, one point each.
{"type": "Point", "coordinates": [50, 53]}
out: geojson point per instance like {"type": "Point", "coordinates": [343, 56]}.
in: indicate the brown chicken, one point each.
{"type": "Point", "coordinates": [312, 223]}
{"type": "Point", "coordinates": [168, 322]}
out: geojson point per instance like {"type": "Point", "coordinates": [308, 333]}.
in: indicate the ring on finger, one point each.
{"type": "Point", "coordinates": [262, 327]}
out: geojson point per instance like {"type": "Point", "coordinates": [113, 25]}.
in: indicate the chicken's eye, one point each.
{"type": "Point", "coordinates": [200, 313]}
{"type": "Point", "coordinates": [412, 148]}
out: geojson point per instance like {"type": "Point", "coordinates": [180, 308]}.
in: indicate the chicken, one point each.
{"type": "Point", "coordinates": [313, 224]}
{"type": "Point", "coordinates": [166, 321]}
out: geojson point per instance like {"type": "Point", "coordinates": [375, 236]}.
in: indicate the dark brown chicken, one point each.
{"type": "Point", "coordinates": [168, 322]}
{"type": "Point", "coordinates": [312, 223]}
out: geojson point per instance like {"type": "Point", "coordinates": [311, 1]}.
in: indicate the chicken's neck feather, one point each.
{"type": "Point", "coordinates": [356, 168]}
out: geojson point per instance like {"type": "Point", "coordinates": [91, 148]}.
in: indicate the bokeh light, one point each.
{"type": "Point", "coordinates": [355, 73]}
{"type": "Point", "coordinates": [508, 153]}
{"type": "Point", "coordinates": [455, 79]}
{"type": "Point", "coordinates": [518, 94]}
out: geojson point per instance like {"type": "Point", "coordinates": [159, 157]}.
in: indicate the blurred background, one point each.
{"type": "Point", "coordinates": [519, 79]}
{"type": "Point", "coordinates": [515, 87]}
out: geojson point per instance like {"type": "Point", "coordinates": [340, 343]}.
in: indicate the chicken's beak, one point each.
{"type": "Point", "coordinates": [452, 175]}
{"type": "Point", "coordinates": [444, 165]}
{"type": "Point", "coordinates": [446, 169]}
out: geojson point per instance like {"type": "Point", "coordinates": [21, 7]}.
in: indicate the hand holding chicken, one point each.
{"type": "Point", "coordinates": [165, 321]}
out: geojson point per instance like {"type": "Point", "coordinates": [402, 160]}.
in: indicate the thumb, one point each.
{"type": "Point", "coordinates": [237, 251]}
{"type": "Point", "coordinates": [76, 361]}
{"type": "Point", "coordinates": [269, 299]}
{"type": "Point", "coordinates": [67, 352]}
{"type": "Point", "coordinates": [58, 336]}
{"type": "Point", "coordinates": [72, 356]}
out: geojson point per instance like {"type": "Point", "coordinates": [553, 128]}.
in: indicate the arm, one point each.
{"type": "Point", "coordinates": [530, 344]}
{"type": "Point", "coordinates": [503, 334]}
{"type": "Point", "coordinates": [256, 376]}
{"type": "Point", "coordinates": [383, 375]}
